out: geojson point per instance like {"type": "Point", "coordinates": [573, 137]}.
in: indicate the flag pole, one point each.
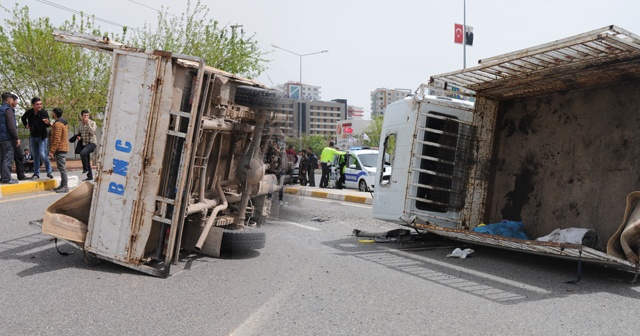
{"type": "Point", "coordinates": [464, 34]}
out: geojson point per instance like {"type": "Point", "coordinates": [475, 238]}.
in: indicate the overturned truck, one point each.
{"type": "Point", "coordinates": [547, 137]}
{"type": "Point", "coordinates": [180, 164]}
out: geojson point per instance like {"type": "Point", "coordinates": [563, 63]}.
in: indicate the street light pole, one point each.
{"type": "Point", "coordinates": [300, 92]}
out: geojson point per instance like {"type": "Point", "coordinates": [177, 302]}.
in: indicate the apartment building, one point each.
{"type": "Point", "coordinates": [308, 117]}
{"type": "Point", "coordinates": [382, 97]}
{"type": "Point", "coordinates": [292, 90]}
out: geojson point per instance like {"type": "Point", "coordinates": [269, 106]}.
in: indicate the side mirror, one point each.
{"type": "Point", "coordinates": [352, 166]}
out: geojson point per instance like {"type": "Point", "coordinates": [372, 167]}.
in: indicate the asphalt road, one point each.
{"type": "Point", "coordinates": [312, 278]}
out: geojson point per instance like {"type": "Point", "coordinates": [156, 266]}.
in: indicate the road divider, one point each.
{"type": "Point", "coordinates": [345, 195]}
{"type": "Point", "coordinates": [30, 186]}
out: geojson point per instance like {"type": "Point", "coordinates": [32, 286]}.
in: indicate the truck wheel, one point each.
{"type": "Point", "coordinates": [362, 186]}
{"type": "Point", "coordinates": [255, 97]}
{"type": "Point", "coordinates": [242, 240]}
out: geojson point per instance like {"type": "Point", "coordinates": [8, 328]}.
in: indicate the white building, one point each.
{"type": "Point", "coordinates": [295, 118]}
{"type": "Point", "coordinates": [292, 90]}
{"type": "Point", "coordinates": [382, 97]}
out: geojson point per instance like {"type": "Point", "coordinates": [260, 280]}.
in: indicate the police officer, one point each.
{"type": "Point", "coordinates": [326, 157]}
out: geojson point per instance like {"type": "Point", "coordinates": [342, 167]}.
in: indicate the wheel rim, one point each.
{"type": "Point", "coordinates": [363, 185]}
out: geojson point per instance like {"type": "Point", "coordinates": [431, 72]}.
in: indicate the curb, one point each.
{"type": "Point", "coordinates": [326, 194]}
{"type": "Point", "coordinates": [32, 186]}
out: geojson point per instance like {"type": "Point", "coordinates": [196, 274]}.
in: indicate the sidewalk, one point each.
{"type": "Point", "coordinates": [43, 183]}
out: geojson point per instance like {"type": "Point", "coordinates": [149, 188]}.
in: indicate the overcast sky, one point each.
{"type": "Point", "coordinates": [372, 43]}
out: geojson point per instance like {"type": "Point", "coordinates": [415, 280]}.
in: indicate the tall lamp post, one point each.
{"type": "Point", "coordinates": [300, 93]}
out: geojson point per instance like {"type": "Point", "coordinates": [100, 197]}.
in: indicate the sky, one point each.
{"type": "Point", "coordinates": [374, 43]}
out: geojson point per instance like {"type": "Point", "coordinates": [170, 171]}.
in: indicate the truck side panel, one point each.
{"type": "Point", "coordinates": [116, 195]}
{"type": "Point", "coordinates": [145, 228]}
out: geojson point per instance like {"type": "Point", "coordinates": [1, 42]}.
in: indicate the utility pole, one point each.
{"type": "Point", "coordinates": [300, 87]}
{"type": "Point", "coordinates": [464, 34]}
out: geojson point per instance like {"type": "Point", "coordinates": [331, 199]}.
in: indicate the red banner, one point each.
{"type": "Point", "coordinates": [458, 32]}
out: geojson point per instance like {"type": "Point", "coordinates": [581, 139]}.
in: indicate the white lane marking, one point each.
{"type": "Point", "coordinates": [515, 284]}
{"type": "Point", "coordinates": [27, 197]}
{"type": "Point", "coordinates": [298, 225]}
{"type": "Point", "coordinates": [276, 302]}
{"type": "Point", "coordinates": [329, 200]}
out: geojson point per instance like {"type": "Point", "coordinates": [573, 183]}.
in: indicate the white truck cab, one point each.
{"type": "Point", "coordinates": [422, 137]}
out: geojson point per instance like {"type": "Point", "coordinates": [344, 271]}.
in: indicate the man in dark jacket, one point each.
{"type": "Point", "coordinates": [312, 164]}
{"type": "Point", "coordinates": [302, 168]}
{"type": "Point", "coordinates": [27, 160]}
{"type": "Point", "coordinates": [36, 120]}
{"type": "Point", "coordinates": [19, 160]}
{"type": "Point", "coordinates": [9, 139]}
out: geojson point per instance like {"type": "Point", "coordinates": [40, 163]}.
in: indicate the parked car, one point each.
{"type": "Point", "coordinates": [360, 169]}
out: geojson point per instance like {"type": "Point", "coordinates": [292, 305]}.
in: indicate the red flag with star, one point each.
{"type": "Point", "coordinates": [458, 32]}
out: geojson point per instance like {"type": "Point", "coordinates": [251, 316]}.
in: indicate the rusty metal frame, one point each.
{"type": "Point", "coordinates": [560, 250]}
{"type": "Point", "coordinates": [564, 64]}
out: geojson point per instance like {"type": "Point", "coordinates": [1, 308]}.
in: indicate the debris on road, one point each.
{"type": "Point", "coordinates": [459, 253]}
{"type": "Point", "coordinates": [385, 234]}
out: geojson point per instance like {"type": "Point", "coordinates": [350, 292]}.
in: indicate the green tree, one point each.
{"type": "Point", "coordinates": [33, 64]}
{"type": "Point", "coordinates": [193, 34]}
{"type": "Point", "coordinates": [316, 141]}
{"type": "Point", "coordinates": [373, 132]}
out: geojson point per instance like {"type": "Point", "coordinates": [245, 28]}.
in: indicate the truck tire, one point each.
{"type": "Point", "coordinates": [242, 240]}
{"type": "Point", "coordinates": [255, 97]}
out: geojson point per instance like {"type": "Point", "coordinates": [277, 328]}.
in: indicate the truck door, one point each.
{"type": "Point", "coordinates": [396, 140]}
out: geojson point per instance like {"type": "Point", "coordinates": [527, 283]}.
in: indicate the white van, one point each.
{"type": "Point", "coordinates": [360, 170]}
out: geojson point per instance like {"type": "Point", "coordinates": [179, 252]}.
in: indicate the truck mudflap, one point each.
{"type": "Point", "coordinates": [558, 250]}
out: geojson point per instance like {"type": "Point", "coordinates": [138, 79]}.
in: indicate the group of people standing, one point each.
{"type": "Point", "coordinates": [307, 166]}
{"type": "Point", "coordinates": [42, 131]}
{"type": "Point", "coordinates": [279, 165]}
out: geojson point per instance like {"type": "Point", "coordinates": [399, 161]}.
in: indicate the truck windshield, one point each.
{"type": "Point", "coordinates": [368, 160]}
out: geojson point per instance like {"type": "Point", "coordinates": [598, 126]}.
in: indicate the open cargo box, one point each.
{"type": "Point", "coordinates": [550, 141]}
{"type": "Point", "coordinates": [174, 139]}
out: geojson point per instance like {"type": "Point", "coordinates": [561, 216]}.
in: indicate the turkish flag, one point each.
{"type": "Point", "coordinates": [458, 32]}
{"type": "Point", "coordinates": [348, 130]}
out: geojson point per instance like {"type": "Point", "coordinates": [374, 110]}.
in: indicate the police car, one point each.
{"type": "Point", "coordinates": [360, 169]}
